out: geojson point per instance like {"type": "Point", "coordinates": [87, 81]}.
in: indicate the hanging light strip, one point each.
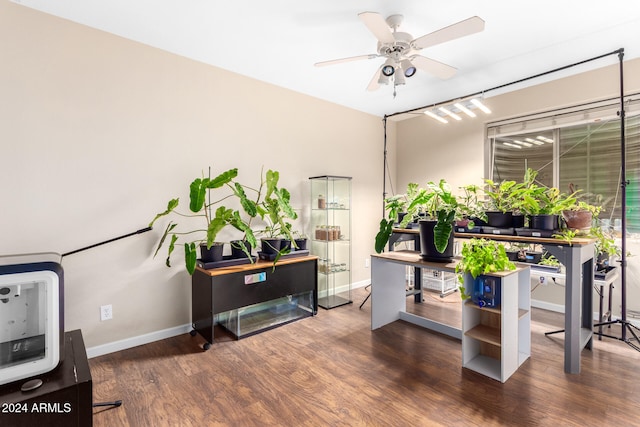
{"type": "Point", "coordinates": [450, 113]}
{"type": "Point", "coordinates": [456, 108]}
{"type": "Point", "coordinates": [435, 116]}
{"type": "Point", "coordinates": [480, 105]}
{"type": "Point", "coordinates": [464, 109]}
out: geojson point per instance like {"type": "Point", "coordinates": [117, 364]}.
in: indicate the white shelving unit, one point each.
{"type": "Point", "coordinates": [496, 341]}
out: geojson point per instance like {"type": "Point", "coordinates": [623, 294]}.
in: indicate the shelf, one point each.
{"type": "Point", "coordinates": [485, 334]}
{"type": "Point", "coordinates": [330, 209]}
{"type": "Point", "coordinates": [332, 301]}
{"type": "Point", "coordinates": [485, 365]}
{"type": "Point", "coordinates": [331, 241]}
{"type": "Point", "coordinates": [494, 310]}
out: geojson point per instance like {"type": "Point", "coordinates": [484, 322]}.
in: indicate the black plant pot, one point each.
{"type": "Point", "coordinates": [428, 247]}
{"type": "Point", "coordinates": [500, 219]}
{"type": "Point", "coordinates": [271, 246]}
{"type": "Point", "coordinates": [285, 245]}
{"type": "Point", "coordinates": [543, 222]}
{"type": "Point", "coordinates": [517, 221]}
{"type": "Point", "coordinates": [213, 254]}
{"type": "Point", "coordinates": [301, 244]}
{"type": "Point", "coordinates": [237, 251]}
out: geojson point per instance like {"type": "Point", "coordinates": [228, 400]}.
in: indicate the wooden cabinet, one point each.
{"type": "Point", "coordinates": [497, 340]}
{"type": "Point", "coordinates": [63, 399]}
{"type": "Point", "coordinates": [251, 298]}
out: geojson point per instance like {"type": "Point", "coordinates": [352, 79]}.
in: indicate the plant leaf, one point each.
{"type": "Point", "coordinates": [249, 206]}
{"type": "Point", "coordinates": [386, 228]}
{"type": "Point", "coordinates": [443, 229]}
{"type": "Point", "coordinates": [173, 203]}
{"type": "Point", "coordinates": [170, 227]}
{"type": "Point", "coordinates": [272, 182]}
{"type": "Point", "coordinates": [197, 193]}
{"type": "Point", "coordinates": [190, 256]}
{"type": "Point", "coordinates": [172, 246]}
{"type": "Point", "coordinates": [223, 178]}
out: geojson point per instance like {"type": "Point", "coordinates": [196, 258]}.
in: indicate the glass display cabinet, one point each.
{"type": "Point", "coordinates": [330, 238]}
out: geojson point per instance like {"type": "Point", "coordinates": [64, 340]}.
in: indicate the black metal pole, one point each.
{"type": "Point", "coordinates": [384, 165]}
{"type": "Point", "coordinates": [142, 230]}
{"type": "Point", "coordinates": [623, 185]}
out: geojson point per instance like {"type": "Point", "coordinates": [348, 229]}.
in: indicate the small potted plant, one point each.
{"type": "Point", "coordinates": [480, 257]}
{"type": "Point", "coordinates": [275, 209]}
{"type": "Point", "coordinates": [542, 204]}
{"type": "Point", "coordinates": [500, 199]}
{"type": "Point", "coordinates": [471, 210]}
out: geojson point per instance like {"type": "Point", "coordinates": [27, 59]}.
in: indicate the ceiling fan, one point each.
{"type": "Point", "coordinates": [401, 49]}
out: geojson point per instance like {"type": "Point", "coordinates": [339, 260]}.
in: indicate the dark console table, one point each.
{"type": "Point", "coordinates": [64, 398]}
{"type": "Point", "coordinates": [251, 298]}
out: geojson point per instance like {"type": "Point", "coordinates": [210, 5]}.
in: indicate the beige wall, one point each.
{"type": "Point", "coordinates": [428, 150]}
{"type": "Point", "coordinates": [99, 132]}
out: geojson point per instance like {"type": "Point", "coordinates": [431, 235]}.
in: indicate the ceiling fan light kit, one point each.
{"type": "Point", "coordinates": [401, 49]}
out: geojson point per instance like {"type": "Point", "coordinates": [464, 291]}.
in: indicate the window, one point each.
{"type": "Point", "coordinates": [577, 149]}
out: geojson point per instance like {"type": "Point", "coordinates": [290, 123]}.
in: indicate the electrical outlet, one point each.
{"type": "Point", "coordinates": [106, 312]}
{"type": "Point", "coordinates": [366, 263]}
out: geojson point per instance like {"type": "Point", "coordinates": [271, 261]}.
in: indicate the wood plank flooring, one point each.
{"type": "Point", "coordinates": [332, 370]}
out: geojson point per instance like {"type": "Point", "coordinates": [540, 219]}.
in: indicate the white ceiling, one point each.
{"type": "Point", "coordinates": [278, 41]}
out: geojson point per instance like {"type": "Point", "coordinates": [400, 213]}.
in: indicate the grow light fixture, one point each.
{"type": "Point", "coordinates": [480, 105]}
{"type": "Point", "coordinates": [450, 113]}
{"type": "Point", "coordinates": [453, 109]}
{"type": "Point", "coordinates": [464, 109]}
{"type": "Point", "coordinates": [435, 116]}
{"type": "Point", "coordinates": [524, 144]}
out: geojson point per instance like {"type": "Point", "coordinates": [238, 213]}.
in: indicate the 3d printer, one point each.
{"type": "Point", "coordinates": [31, 315]}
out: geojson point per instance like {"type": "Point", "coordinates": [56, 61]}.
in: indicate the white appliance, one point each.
{"type": "Point", "coordinates": [31, 315]}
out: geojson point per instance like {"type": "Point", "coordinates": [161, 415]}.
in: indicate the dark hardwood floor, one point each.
{"type": "Point", "coordinates": [333, 370]}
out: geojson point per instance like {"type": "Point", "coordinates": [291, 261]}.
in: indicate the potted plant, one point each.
{"type": "Point", "coordinates": [440, 207]}
{"type": "Point", "coordinates": [397, 213]}
{"type": "Point", "coordinates": [580, 216]}
{"type": "Point", "coordinates": [605, 247]}
{"type": "Point", "coordinates": [480, 257]}
{"type": "Point", "coordinates": [500, 198]}
{"type": "Point", "coordinates": [543, 205]}
{"type": "Point", "coordinates": [275, 209]}
{"type": "Point", "coordinates": [212, 221]}
{"type": "Point", "coordinates": [471, 210]}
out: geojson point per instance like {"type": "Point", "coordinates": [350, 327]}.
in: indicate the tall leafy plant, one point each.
{"type": "Point", "coordinates": [213, 221]}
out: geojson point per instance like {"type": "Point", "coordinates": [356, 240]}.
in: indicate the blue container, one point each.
{"type": "Point", "coordinates": [486, 291]}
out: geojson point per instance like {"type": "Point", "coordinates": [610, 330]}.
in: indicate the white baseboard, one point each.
{"type": "Point", "coordinates": [124, 344]}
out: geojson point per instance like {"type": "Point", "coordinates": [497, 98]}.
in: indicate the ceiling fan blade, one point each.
{"type": "Point", "coordinates": [452, 32]}
{"type": "Point", "coordinates": [374, 84]}
{"type": "Point", "coordinates": [378, 26]}
{"type": "Point", "coordinates": [349, 59]}
{"type": "Point", "coordinates": [434, 67]}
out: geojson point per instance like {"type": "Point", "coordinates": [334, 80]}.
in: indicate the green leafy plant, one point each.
{"type": "Point", "coordinates": [213, 221]}
{"type": "Point", "coordinates": [481, 256]}
{"type": "Point", "coordinates": [533, 199]}
{"type": "Point", "coordinates": [501, 196]}
{"type": "Point", "coordinates": [550, 260]}
{"type": "Point", "coordinates": [469, 205]}
{"type": "Point", "coordinates": [605, 243]}
{"type": "Point", "coordinates": [567, 234]}
{"type": "Point", "coordinates": [435, 202]}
